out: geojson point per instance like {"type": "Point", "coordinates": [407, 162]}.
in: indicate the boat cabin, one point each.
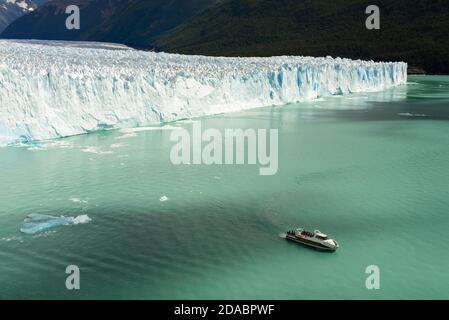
{"type": "Point", "coordinates": [320, 235]}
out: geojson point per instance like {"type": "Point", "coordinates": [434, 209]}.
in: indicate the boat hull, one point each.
{"type": "Point", "coordinates": [312, 244]}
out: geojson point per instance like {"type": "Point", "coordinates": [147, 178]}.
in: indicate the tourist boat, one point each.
{"type": "Point", "coordinates": [315, 239]}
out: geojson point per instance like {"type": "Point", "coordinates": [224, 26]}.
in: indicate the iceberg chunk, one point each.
{"type": "Point", "coordinates": [36, 222]}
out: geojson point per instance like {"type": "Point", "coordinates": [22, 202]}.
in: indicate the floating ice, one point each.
{"type": "Point", "coordinates": [95, 150]}
{"type": "Point", "coordinates": [56, 89]}
{"type": "Point", "coordinates": [140, 129]}
{"type": "Point", "coordinates": [78, 200]}
{"type": "Point", "coordinates": [10, 239]}
{"type": "Point", "coordinates": [117, 145]}
{"type": "Point", "coordinates": [36, 222]}
{"type": "Point", "coordinates": [408, 114]}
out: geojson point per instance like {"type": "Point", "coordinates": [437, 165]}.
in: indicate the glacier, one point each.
{"type": "Point", "coordinates": [57, 89]}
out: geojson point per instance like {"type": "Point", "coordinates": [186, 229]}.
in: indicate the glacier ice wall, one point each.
{"type": "Point", "coordinates": [50, 90]}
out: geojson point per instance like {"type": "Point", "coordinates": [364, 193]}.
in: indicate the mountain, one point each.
{"type": "Point", "coordinates": [49, 21]}
{"type": "Point", "coordinates": [12, 9]}
{"type": "Point", "coordinates": [132, 22]}
{"type": "Point", "coordinates": [137, 22]}
{"type": "Point", "coordinates": [416, 33]}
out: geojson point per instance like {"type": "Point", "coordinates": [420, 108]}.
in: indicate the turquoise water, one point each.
{"type": "Point", "coordinates": [371, 170]}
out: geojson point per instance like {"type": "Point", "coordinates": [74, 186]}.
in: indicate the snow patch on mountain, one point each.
{"type": "Point", "coordinates": [13, 9]}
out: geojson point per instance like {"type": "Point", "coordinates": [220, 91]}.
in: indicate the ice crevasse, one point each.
{"type": "Point", "coordinates": [50, 90]}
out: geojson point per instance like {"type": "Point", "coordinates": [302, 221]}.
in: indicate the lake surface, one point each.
{"type": "Point", "coordinates": [369, 169]}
